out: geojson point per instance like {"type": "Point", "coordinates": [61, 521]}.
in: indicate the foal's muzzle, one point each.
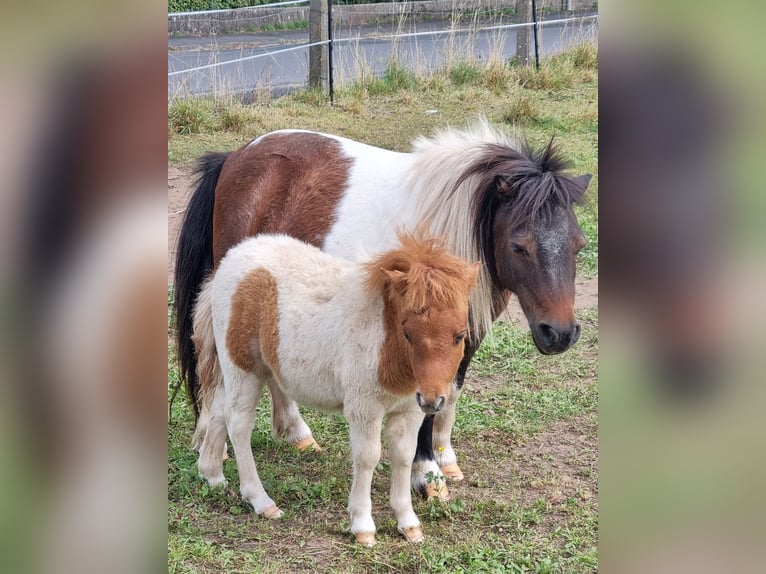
{"type": "Point", "coordinates": [430, 408]}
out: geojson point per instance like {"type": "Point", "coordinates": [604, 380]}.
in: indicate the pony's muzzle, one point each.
{"type": "Point", "coordinates": [430, 407]}
{"type": "Point", "coordinates": [552, 338]}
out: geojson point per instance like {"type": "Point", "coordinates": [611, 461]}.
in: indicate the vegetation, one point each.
{"type": "Point", "coordinates": [202, 5]}
{"type": "Point", "coordinates": [527, 504]}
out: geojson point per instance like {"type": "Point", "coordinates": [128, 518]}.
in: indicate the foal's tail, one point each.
{"type": "Point", "coordinates": [194, 261]}
{"type": "Point", "coordinates": [208, 373]}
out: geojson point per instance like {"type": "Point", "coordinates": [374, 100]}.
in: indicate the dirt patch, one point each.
{"type": "Point", "coordinates": [559, 463]}
{"type": "Point", "coordinates": [180, 187]}
{"type": "Point", "coordinates": [557, 467]}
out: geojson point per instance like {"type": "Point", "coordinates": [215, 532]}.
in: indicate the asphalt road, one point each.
{"type": "Point", "coordinates": [356, 51]}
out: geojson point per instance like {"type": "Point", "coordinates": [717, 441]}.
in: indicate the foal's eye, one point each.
{"type": "Point", "coordinates": [406, 335]}
{"type": "Point", "coordinates": [459, 337]}
{"type": "Point", "coordinates": [518, 249]}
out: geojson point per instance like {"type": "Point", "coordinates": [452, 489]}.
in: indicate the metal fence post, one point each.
{"type": "Point", "coordinates": [536, 30]}
{"type": "Point", "coordinates": [318, 54]}
{"type": "Point", "coordinates": [329, 52]}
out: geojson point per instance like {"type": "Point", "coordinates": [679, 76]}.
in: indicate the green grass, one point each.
{"type": "Point", "coordinates": [489, 525]}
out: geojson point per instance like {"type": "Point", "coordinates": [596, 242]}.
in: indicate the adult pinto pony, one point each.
{"type": "Point", "coordinates": [491, 198]}
{"type": "Point", "coordinates": [379, 339]}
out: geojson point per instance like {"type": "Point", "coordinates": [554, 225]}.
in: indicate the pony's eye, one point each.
{"type": "Point", "coordinates": [406, 335]}
{"type": "Point", "coordinates": [518, 249]}
{"type": "Point", "coordinates": [459, 337]}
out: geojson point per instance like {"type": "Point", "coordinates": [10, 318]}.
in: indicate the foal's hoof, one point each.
{"type": "Point", "coordinates": [308, 443]}
{"type": "Point", "coordinates": [366, 538]}
{"type": "Point", "coordinates": [413, 534]}
{"type": "Point", "coordinates": [452, 471]}
{"type": "Point", "coordinates": [437, 490]}
{"type": "Point", "coordinates": [272, 512]}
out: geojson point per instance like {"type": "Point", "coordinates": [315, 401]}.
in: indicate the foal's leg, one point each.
{"type": "Point", "coordinates": [365, 454]}
{"type": "Point", "coordinates": [241, 402]}
{"type": "Point", "coordinates": [444, 421]}
{"type": "Point", "coordinates": [401, 431]}
{"type": "Point", "coordinates": [286, 420]}
{"type": "Point", "coordinates": [442, 434]}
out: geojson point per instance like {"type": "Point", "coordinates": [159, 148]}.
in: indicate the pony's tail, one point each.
{"type": "Point", "coordinates": [208, 371]}
{"type": "Point", "coordinates": [194, 261]}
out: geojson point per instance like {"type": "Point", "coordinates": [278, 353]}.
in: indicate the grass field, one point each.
{"type": "Point", "coordinates": [526, 430]}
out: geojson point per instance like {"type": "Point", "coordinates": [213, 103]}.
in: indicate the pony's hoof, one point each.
{"type": "Point", "coordinates": [272, 512]}
{"type": "Point", "coordinates": [308, 443]}
{"type": "Point", "coordinates": [413, 534]}
{"type": "Point", "coordinates": [438, 491]}
{"type": "Point", "coordinates": [453, 472]}
{"type": "Point", "coordinates": [365, 538]}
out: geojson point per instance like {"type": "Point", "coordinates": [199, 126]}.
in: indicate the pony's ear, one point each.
{"type": "Point", "coordinates": [502, 188]}
{"type": "Point", "coordinates": [583, 180]}
{"type": "Point", "coordinates": [472, 273]}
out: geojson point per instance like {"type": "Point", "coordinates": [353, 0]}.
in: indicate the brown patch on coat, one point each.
{"type": "Point", "coordinates": [252, 338]}
{"type": "Point", "coordinates": [287, 183]}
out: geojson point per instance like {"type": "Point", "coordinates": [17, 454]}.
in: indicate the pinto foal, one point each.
{"type": "Point", "coordinates": [373, 340]}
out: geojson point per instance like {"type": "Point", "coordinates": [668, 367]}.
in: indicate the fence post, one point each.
{"type": "Point", "coordinates": [524, 11]}
{"type": "Point", "coordinates": [536, 34]}
{"type": "Point", "coordinates": [318, 54]}
{"type": "Point", "coordinates": [329, 52]}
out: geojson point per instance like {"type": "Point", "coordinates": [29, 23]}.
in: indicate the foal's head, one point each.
{"type": "Point", "coordinates": [427, 291]}
{"type": "Point", "coordinates": [528, 233]}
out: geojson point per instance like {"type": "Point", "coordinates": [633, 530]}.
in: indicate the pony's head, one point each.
{"type": "Point", "coordinates": [426, 290]}
{"type": "Point", "coordinates": [529, 236]}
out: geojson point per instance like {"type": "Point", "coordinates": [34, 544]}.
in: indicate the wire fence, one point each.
{"type": "Point", "coordinates": [277, 69]}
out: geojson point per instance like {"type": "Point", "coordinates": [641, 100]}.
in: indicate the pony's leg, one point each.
{"type": "Point", "coordinates": [240, 420]}
{"type": "Point", "coordinates": [401, 431]}
{"type": "Point", "coordinates": [445, 420]}
{"type": "Point", "coordinates": [427, 479]}
{"type": "Point", "coordinates": [365, 454]}
{"type": "Point", "coordinates": [210, 462]}
{"type": "Point", "coordinates": [286, 420]}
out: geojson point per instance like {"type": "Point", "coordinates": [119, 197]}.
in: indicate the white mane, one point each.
{"type": "Point", "coordinates": [439, 163]}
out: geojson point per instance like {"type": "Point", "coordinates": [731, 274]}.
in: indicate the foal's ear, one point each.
{"type": "Point", "coordinates": [395, 277]}
{"type": "Point", "coordinates": [583, 180]}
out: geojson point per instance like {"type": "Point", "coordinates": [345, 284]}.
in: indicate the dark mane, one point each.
{"type": "Point", "coordinates": [531, 182]}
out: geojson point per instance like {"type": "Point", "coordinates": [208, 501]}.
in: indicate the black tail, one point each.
{"type": "Point", "coordinates": [194, 260]}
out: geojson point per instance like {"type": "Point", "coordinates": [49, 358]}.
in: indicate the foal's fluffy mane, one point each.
{"type": "Point", "coordinates": [454, 171]}
{"type": "Point", "coordinates": [433, 275]}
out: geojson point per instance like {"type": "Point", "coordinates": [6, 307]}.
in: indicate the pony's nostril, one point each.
{"type": "Point", "coordinates": [419, 399]}
{"type": "Point", "coordinates": [548, 334]}
{"type": "Point", "coordinates": [440, 403]}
